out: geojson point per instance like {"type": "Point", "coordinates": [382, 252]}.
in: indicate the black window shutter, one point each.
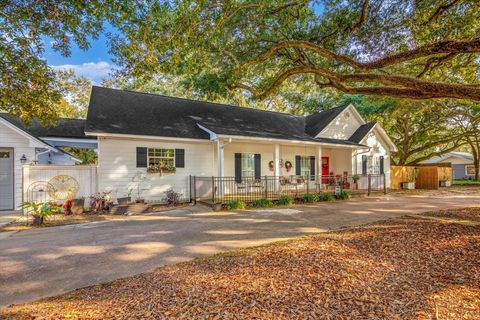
{"type": "Point", "coordinates": [382, 164]}
{"type": "Point", "coordinates": [298, 169]}
{"type": "Point", "coordinates": [238, 167]}
{"type": "Point", "coordinates": [141, 157]}
{"type": "Point", "coordinates": [179, 158]}
{"type": "Point", "coordinates": [312, 168]}
{"type": "Point", "coordinates": [364, 164]}
{"type": "Point", "coordinates": [258, 165]}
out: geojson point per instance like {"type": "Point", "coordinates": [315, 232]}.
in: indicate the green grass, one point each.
{"type": "Point", "coordinates": [466, 182]}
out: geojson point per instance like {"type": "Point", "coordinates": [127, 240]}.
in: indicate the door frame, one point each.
{"type": "Point", "coordinates": [12, 150]}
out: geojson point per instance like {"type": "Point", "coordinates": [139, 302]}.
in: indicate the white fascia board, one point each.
{"type": "Point", "coordinates": [142, 137]}
{"type": "Point", "coordinates": [313, 143]}
{"type": "Point", "coordinates": [68, 139]}
{"type": "Point", "coordinates": [382, 131]}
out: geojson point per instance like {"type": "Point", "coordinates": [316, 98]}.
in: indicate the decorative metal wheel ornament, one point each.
{"type": "Point", "coordinates": [64, 187]}
{"type": "Point", "coordinates": [39, 191]}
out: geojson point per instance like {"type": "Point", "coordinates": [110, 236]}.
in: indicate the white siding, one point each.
{"type": "Point", "coordinates": [343, 126]}
{"type": "Point", "coordinates": [117, 166]}
{"type": "Point", "coordinates": [378, 148]}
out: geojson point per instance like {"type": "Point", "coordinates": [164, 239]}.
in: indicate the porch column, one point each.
{"type": "Point", "coordinates": [276, 168]}
{"type": "Point", "coordinates": [220, 167]}
{"type": "Point", "coordinates": [318, 155]}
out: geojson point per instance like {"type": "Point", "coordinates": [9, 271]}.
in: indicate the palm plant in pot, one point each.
{"type": "Point", "coordinates": [40, 210]}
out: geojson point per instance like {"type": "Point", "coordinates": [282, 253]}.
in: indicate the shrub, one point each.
{"type": "Point", "coordinates": [344, 195]}
{"type": "Point", "coordinates": [236, 204]}
{"type": "Point", "coordinates": [173, 197]}
{"type": "Point", "coordinates": [262, 203]}
{"type": "Point", "coordinates": [285, 200]}
{"type": "Point", "coordinates": [309, 198]}
{"type": "Point", "coordinates": [326, 197]}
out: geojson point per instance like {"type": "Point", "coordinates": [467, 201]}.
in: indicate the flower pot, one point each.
{"type": "Point", "coordinates": [124, 200]}
{"type": "Point", "coordinates": [408, 185]}
{"type": "Point", "coordinates": [37, 220]}
{"type": "Point", "coordinates": [217, 207]}
{"type": "Point", "coordinates": [140, 201]}
{"type": "Point", "coordinates": [77, 206]}
{"type": "Point", "coordinates": [445, 183]}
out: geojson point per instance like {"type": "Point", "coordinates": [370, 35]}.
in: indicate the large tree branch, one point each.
{"type": "Point", "coordinates": [440, 47]}
{"type": "Point", "coordinates": [391, 85]}
{"type": "Point", "coordinates": [361, 20]}
{"type": "Point", "coordinates": [440, 10]}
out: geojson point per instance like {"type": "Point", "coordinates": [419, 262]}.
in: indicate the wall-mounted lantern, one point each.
{"type": "Point", "coordinates": [23, 159]}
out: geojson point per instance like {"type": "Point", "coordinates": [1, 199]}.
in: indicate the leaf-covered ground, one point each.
{"type": "Point", "coordinates": [409, 268]}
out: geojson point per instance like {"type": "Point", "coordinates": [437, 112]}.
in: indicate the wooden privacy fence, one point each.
{"type": "Point", "coordinates": [58, 182]}
{"type": "Point", "coordinates": [427, 177]}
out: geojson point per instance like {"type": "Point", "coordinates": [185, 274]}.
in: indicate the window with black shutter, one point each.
{"type": "Point", "coordinates": [258, 166]}
{"type": "Point", "coordinates": [364, 164]}
{"type": "Point", "coordinates": [238, 167]}
{"type": "Point", "coordinates": [179, 158]}
{"type": "Point", "coordinates": [142, 161]}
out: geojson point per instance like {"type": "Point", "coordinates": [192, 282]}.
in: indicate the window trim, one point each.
{"type": "Point", "coordinates": [160, 157]}
{"type": "Point", "coordinates": [466, 169]}
{"type": "Point", "coordinates": [307, 169]}
{"type": "Point", "coordinates": [252, 160]}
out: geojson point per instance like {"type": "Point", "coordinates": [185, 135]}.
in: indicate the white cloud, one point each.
{"type": "Point", "coordinates": [93, 71]}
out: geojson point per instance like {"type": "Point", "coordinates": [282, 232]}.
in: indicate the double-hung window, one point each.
{"type": "Point", "coordinates": [373, 165]}
{"type": "Point", "coordinates": [161, 157]}
{"type": "Point", "coordinates": [248, 165]}
{"type": "Point", "coordinates": [305, 166]}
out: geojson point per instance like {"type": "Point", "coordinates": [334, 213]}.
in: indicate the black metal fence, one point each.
{"type": "Point", "coordinates": [222, 189]}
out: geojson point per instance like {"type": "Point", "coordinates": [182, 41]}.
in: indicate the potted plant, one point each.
{"type": "Point", "coordinates": [78, 205]}
{"type": "Point", "coordinates": [411, 178]}
{"type": "Point", "coordinates": [126, 200]}
{"type": "Point", "coordinates": [445, 182]}
{"type": "Point", "coordinates": [40, 210]}
{"type": "Point", "coordinates": [218, 206]}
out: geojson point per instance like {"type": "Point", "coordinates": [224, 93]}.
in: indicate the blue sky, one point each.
{"type": "Point", "coordinates": [96, 63]}
{"type": "Point", "coordinates": [93, 64]}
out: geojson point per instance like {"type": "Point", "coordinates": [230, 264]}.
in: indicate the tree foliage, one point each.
{"type": "Point", "coordinates": [75, 95]}
{"type": "Point", "coordinates": [400, 48]}
{"type": "Point", "coordinates": [28, 86]}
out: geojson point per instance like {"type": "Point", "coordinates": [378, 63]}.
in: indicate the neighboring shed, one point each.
{"type": "Point", "coordinates": [462, 164]}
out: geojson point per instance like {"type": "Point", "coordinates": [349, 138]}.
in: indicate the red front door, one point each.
{"type": "Point", "coordinates": [325, 169]}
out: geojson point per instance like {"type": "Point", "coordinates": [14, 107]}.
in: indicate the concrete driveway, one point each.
{"type": "Point", "coordinates": [45, 262]}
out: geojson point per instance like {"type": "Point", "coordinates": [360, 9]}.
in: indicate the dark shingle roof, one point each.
{"type": "Point", "coordinates": [361, 132]}
{"type": "Point", "coordinates": [127, 112]}
{"type": "Point", "coordinates": [65, 128]}
{"type": "Point", "coordinates": [315, 123]}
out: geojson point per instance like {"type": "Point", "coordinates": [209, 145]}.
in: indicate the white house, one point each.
{"type": "Point", "coordinates": [463, 167]}
{"type": "Point", "coordinates": [21, 144]}
{"type": "Point", "coordinates": [138, 131]}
